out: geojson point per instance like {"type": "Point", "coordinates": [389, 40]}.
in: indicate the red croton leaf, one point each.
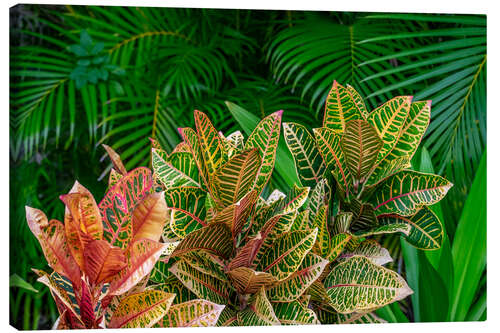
{"type": "Point", "coordinates": [103, 261]}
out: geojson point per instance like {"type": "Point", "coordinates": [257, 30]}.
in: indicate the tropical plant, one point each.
{"type": "Point", "coordinates": [366, 156]}
{"type": "Point", "coordinates": [102, 255]}
{"type": "Point", "coordinates": [270, 261]}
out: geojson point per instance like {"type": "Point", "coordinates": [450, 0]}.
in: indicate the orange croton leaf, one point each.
{"type": "Point", "coordinates": [103, 261]}
{"type": "Point", "coordinates": [52, 239]}
{"type": "Point", "coordinates": [82, 220]}
{"type": "Point", "coordinates": [149, 217]}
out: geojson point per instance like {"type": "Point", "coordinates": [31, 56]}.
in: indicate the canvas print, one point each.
{"type": "Point", "coordinates": [180, 167]}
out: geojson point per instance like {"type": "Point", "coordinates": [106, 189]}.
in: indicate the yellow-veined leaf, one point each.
{"type": "Point", "coordinates": [168, 175]}
{"type": "Point", "coordinates": [357, 284]}
{"type": "Point", "coordinates": [265, 137]}
{"type": "Point", "coordinates": [361, 145]}
{"type": "Point", "coordinates": [296, 284]}
{"type": "Point", "coordinates": [211, 145]}
{"type": "Point", "coordinates": [341, 107]}
{"type": "Point", "coordinates": [193, 143]}
{"type": "Point", "coordinates": [322, 245]}
{"type": "Point", "coordinates": [141, 310]}
{"type": "Point", "coordinates": [186, 209]}
{"type": "Point", "coordinates": [202, 285]}
{"type": "Point", "coordinates": [214, 238]}
{"type": "Point", "coordinates": [372, 250]}
{"type": "Point", "coordinates": [234, 180]}
{"type": "Point", "coordinates": [259, 313]}
{"type": "Point", "coordinates": [287, 253]}
{"type": "Point", "coordinates": [293, 313]}
{"type": "Point", "coordinates": [195, 313]}
{"type": "Point", "coordinates": [247, 281]}
{"type": "Point", "coordinates": [308, 161]}
{"type": "Point", "coordinates": [407, 191]}
{"type": "Point", "coordinates": [173, 286]}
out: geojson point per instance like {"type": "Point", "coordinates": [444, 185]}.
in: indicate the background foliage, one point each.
{"type": "Point", "coordinates": [81, 76]}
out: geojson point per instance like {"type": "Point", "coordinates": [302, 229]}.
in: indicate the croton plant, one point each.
{"type": "Point", "coordinates": [195, 243]}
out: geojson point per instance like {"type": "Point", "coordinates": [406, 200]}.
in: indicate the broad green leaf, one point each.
{"type": "Point", "coordinates": [102, 261]}
{"type": "Point", "coordinates": [167, 174]}
{"type": "Point", "coordinates": [206, 263]}
{"type": "Point", "coordinates": [52, 238]}
{"type": "Point", "coordinates": [426, 232]}
{"type": "Point", "coordinates": [259, 313]}
{"type": "Point", "coordinates": [297, 198]}
{"type": "Point", "coordinates": [296, 284]}
{"type": "Point", "coordinates": [361, 145]}
{"type": "Point", "coordinates": [372, 250]}
{"type": "Point", "coordinates": [248, 281]}
{"type": "Point", "coordinates": [214, 238]}
{"type": "Point", "coordinates": [265, 137]}
{"type": "Point", "coordinates": [211, 145]}
{"type": "Point", "coordinates": [235, 178]}
{"type": "Point", "coordinates": [308, 161]}
{"type": "Point", "coordinates": [235, 142]}
{"type": "Point", "coordinates": [337, 245]}
{"type": "Point", "coordinates": [364, 217]}
{"type": "Point", "coordinates": [387, 168]}
{"type": "Point", "coordinates": [141, 310]}
{"type": "Point", "coordinates": [319, 196]}
{"type": "Point", "coordinates": [388, 120]}
{"type": "Point", "coordinates": [202, 285]}
{"type": "Point", "coordinates": [341, 107]}
{"type": "Point", "coordinates": [411, 133]}
{"type": "Point", "coordinates": [185, 163]}
{"type": "Point", "coordinates": [17, 281]}
{"type": "Point", "coordinates": [195, 313]}
{"type": "Point", "coordinates": [160, 272]}
{"type": "Point", "coordinates": [358, 100]}
{"type": "Point", "coordinates": [293, 313]}
{"type": "Point", "coordinates": [470, 234]}
{"type": "Point", "coordinates": [141, 257]}
{"type": "Point", "coordinates": [405, 192]}
{"type": "Point", "coordinates": [284, 163]}
{"type": "Point", "coordinates": [227, 317]}
{"type": "Point", "coordinates": [118, 204]}
{"type": "Point", "coordinates": [328, 142]}
{"type": "Point", "coordinates": [186, 206]}
{"type": "Point", "coordinates": [391, 228]}
{"type": "Point", "coordinates": [302, 221]}
{"type": "Point", "coordinates": [149, 217]}
{"type": "Point", "coordinates": [287, 253]}
{"type": "Point", "coordinates": [359, 285]}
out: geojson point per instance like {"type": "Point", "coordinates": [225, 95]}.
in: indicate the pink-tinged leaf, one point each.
{"type": "Point", "coordinates": [87, 308]}
{"type": "Point", "coordinates": [52, 239]}
{"type": "Point", "coordinates": [82, 220]}
{"type": "Point", "coordinates": [141, 257]}
{"type": "Point", "coordinates": [114, 177]}
{"type": "Point", "coordinates": [103, 261]}
{"type": "Point", "coordinates": [141, 310]}
{"type": "Point", "coordinates": [119, 202]}
{"type": "Point", "coordinates": [149, 217]}
{"type": "Point", "coordinates": [116, 160]}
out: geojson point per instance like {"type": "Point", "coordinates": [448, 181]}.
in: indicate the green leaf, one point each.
{"type": "Point", "coordinates": [260, 313]}
{"type": "Point", "coordinates": [341, 107]}
{"type": "Point", "coordinates": [296, 284]}
{"type": "Point", "coordinates": [195, 313]}
{"type": "Point", "coordinates": [211, 145]}
{"type": "Point", "coordinates": [202, 285]}
{"type": "Point", "coordinates": [168, 175]}
{"type": "Point", "coordinates": [287, 253]}
{"type": "Point", "coordinates": [471, 234]}
{"type": "Point", "coordinates": [308, 161]}
{"type": "Point", "coordinates": [359, 285]}
{"type": "Point", "coordinates": [361, 145]}
{"type": "Point", "coordinates": [372, 250]}
{"type": "Point", "coordinates": [265, 137]}
{"type": "Point", "coordinates": [293, 313]}
{"type": "Point", "coordinates": [405, 192]}
{"type": "Point", "coordinates": [426, 231]}
{"type": "Point", "coordinates": [247, 281]}
{"type": "Point", "coordinates": [17, 281]}
{"type": "Point", "coordinates": [186, 209]}
{"type": "Point", "coordinates": [233, 180]}
{"type": "Point", "coordinates": [214, 238]}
